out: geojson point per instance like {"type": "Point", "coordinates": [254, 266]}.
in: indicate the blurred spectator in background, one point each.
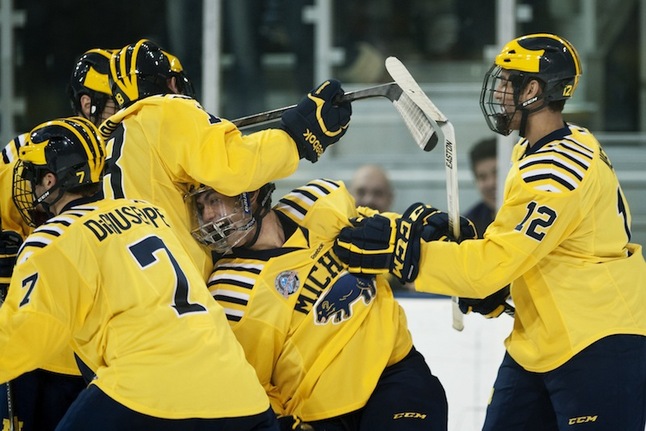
{"type": "Point", "coordinates": [484, 166]}
{"type": "Point", "coordinates": [371, 188]}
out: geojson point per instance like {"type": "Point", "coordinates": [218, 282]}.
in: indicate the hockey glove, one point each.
{"type": "Point", "coordinates": [490, 307]}
{"type": "Point", "coordinates": [318, 121]}
{"type": "Point", "coordinates": [9, 245]}
{"type": "Point", "coordinates": [377, 244]}
{"type": "Point", "coordinates": [436, 228]}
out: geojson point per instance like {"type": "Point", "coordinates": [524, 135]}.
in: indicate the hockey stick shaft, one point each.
{"type": "Point", "coordinates": [417, 122]}
{"type": "Point", "coordinates": [13, 426]}
{"type": "Point", "coordinates": [390, 91]}
{"type": "Point", "coordinates": [12, 417]}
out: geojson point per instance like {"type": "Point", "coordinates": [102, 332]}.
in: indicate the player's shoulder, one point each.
{"type": "Point", "coordinates": [310, 199]}
{"type": "Point", "coordinates": [561, 164]}
{"type": "Point", "coordinates": [54, 230]}
{"type": "Point", "coordinates": [10, 151]}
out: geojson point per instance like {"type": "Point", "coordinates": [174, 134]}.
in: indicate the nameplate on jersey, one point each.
{"type": "Point", "coordinates": [124, 218]}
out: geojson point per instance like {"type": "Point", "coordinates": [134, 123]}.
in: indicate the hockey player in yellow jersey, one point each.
{"type": "Point", "coordinates": [331, 349]}
{"type": "Point", "coordinates": [576, 355]}
{"type": "Point", "coordinates": [110, 279]}
{"type": "Point", "coordinates": [40, 398]}
{"type": "Point", "coordinates": [162, 142]}
{"type": "Point", "coordinates": [90, 97]}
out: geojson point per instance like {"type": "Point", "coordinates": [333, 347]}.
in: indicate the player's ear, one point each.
{"type": "Point", "coordinates": [533, 88]}
{"type": "Point", "coordinates": [49, 180]}
{"type": "Point", "coordinates": [86, 106]}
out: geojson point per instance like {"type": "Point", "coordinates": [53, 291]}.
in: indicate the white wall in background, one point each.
{"type": "Point", "coordinates": [465, 362]}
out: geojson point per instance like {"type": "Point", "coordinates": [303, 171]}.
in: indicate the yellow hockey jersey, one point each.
{"type": "Point", "coordinates": [318, 337]}
{"type": "Point", "coordinates": [161, 147]}
{"type": "Point", "coordinates": [110, 279]}
{"type": "Point", "coordinates": [561, 238]}
{"type": "Point", "coordinates": [64, 362]}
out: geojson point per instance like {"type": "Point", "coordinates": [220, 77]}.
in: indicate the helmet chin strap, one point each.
{"type": "Point", "coordinates": [524, 112]}
{"type": "Point", "coordinates": [262, 209]}
{"type": "Point", "coordinates": [47, 205]}
{"type": "Point", "coordinates": [256, 234]}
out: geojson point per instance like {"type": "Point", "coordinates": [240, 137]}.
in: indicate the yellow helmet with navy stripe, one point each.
{"type": "Point", "coordinates": [70, 148]}
{"type": "Point", "coordinates": [143, 69]}
{"type": "Point", "coordinates": [90, 77]}
{"type": "Point", "coordinates": [184, 84]}
{"type": "Point", "coordinates": [547, 57]}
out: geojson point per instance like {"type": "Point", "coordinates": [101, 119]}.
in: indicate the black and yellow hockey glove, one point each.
{"type": "Point", "coordinates": [436, 228]}
{"type": "Point", "coordinates": [378, 244]}
{"type": "Point", "coordinates": [318, 121]}
{"type": "Point", "coordinates": [9, 246]}
{"type": "Point", "coordinates": [490, 307]}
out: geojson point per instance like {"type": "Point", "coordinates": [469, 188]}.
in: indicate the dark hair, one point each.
{"type": "Point", "coordinates": [483, 149]}
{"type": "Point", "coordinates": [86, 189]}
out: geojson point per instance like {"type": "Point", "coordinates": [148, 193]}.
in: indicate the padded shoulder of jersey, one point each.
{"type": "Point", "coordinates": [172, 102]}
{"type": "Point", "coordinates": [51, 230]}
{"type": "Point", "coordinates": [559, 166]}
{"type": "Point", "coordinates": [10, 151]}
{"type": "Point", "coordinates": [322, 206]}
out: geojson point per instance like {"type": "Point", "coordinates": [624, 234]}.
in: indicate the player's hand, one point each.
{"type": "Point", "coordinates": [436, 228]}
{"type": "Point", "coordinates": [9, 245]}
{"type": "Point", "coordinates": [490, 307]}
{"type": "Point", "coordinates": [367, 247]}
{"type": "Point", "coordinates": [318, 121]}
{"type": "Point", "coordinates": [377, 244]}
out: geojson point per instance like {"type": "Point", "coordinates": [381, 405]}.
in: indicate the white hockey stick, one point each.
{"type": "Point", "coordinates": [446, 133]}
{"type": "Point", "coordinates": [422, 130]}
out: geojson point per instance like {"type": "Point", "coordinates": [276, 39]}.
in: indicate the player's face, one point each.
{"type": "Point", "coordinates": [224, 222]}
{"type": "Point", "coordinates": [504, 92]}
{"type": "Point", "coordinates": [212, 206]}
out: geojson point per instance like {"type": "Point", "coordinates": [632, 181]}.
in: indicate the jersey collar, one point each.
{"type": "Point", "coordinates": [554, 136]}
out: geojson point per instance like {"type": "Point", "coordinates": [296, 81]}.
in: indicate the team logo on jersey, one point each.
{"type": "Point", "coordinates": [287, 282]}
{"type": "Point", "coordinates": [336, 304]}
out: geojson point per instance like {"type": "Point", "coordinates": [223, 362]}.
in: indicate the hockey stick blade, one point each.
{"type": "Point", "coordinates": [422, 131]}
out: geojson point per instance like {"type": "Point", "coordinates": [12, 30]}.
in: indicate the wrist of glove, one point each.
{"type": "Point", "coordinates": [318, 120]}
{"type": "Point", "coordinates": [378, 244]}
{"type": "Point", "coordinates": [490, 307]}
{"type": "Point", "coordinates": [10, 243]}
